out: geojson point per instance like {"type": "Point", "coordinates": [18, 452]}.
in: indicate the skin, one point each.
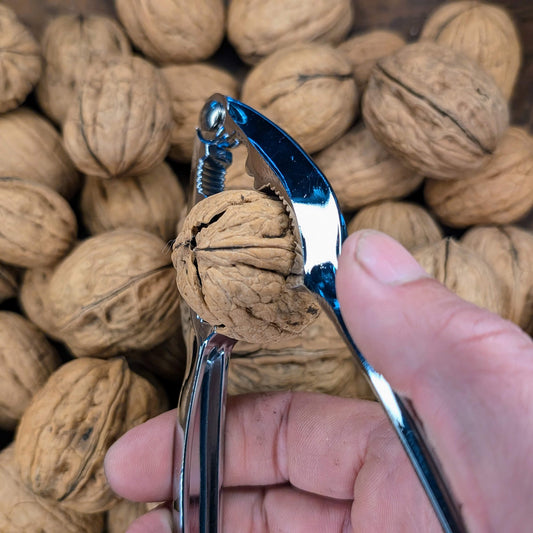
{"type": "Point", "coordinates": [308, 462]}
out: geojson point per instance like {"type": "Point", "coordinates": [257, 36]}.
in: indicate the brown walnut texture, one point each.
{"type": "Point", "coordinates": [26, 361]}
{"type": "Point", "coordinates": [308, 90]}
{"type": "Point", "coordinates": [238, 265]}
{"type": "Point", "coordinates": [509, 251]}
{"type": "Point", "coordinates": [362, 171]}
{"type": "Point", "coordinates": [410, 224]}
{"type": "Point", "coordinates": [166, 361]}
{"type": "Point", "coordinates": [20, 61]}
{"type": "Point", "coordinates": [71, 43]}
{"type": "Point", "coordinates": [9, 282]}
{"type": "Point", "coordinates": [464, 272]}
{"type": "Point", "coordinates": [500, 192]}
{"type": "Point", "coordinates": [483, 31]}
{"type": "Point", "coordinates": [152, 202]}
{"type": "Point", "coordinates": [32, 149]}
{"type": "Point", "coordinates": [22, 510]}
{"type": "Point", "coordinates": [435, 109]}
{"type": "Point", "coordinates": [174, 31]}
{"type": "Point", "coordinates": [65, 432]}
{"type": "Point", "coordinates": [363, 50]}
{"type": "Point", "coordinates": [237, 176]}
{"type": "Point", "coordinates": [37, 225]}
{"type": "Point", "coordinates": [34, 299]}
{"type": "Point", "coordinates": [121, 121]}
{"type": "Point", "coordinates": [190, 86]}
{"type": "Point", "coordinates": [121, 515]}
{"type": "Point", "coordinates": [257, 28]}
{"type": "Point", "coordinates": [316, 360]}
{"type": "Point", "coordinates": [115, 292]}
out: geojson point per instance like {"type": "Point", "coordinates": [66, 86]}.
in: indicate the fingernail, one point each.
{"type": "Point", "coordinates": [386, 260]}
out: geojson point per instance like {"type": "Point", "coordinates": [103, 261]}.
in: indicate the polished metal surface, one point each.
{"type": "Point", "coordinates": [279, 164]}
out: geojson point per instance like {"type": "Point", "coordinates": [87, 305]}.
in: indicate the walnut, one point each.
{"type": "Point", "coordinates": [115, 292]}
{"type": "Point", "coordinates": [364, 49]}
{"type": "Point", "coordinates": [22, 510]}
{"type": "Point", "coordinates": [70, 44]}
{"type": "Point", "coordinates": [435, 109]}
{"type": "Point", "coordinates": [190, 86]}
{"type": "Point", "coordinates": [174, 31]}
{"type": "Point", "coordinates": [166, 361]}
{"type": "Point", "coordinates": [498, 193]}
{"type": "Point", "coordinates": [237, 177]}
{"type": "Point", "coordinates": [509, 251]}
{"type": "Point", "coordinates": [464, 272]}
{"type": "Point", "coordinates": [361, 171]}
{"type": "Point", "coordinates": [485, 32]}
{"type": "Point", "coordinates": [34, 299]}
{"type": "Point", "coordinates": [20, 63]}
{"type": "Point", "coordinates": [65, 432]}
{"type": "Point", "coordinates": [410, 224]}
{"type": "Point", "coordinates": [257, 28]}
{"type": "Point", "coordinates": [308, 90]}
{"type": "Point", "coordinates": [31, 148]}
{"type": "Point", "coordinates": [9, 282]}
{"type": "Point", "coordinates": [316, 360]}
{"type": "Point", "coordinates": [120, 123]}
{"type": "Point", "coordinates": [37, 225]}
{"type": "Point", "coordinates": [26, 361]}
{"type": "Point", "coordinates": [121, 515]}
{"type": "Point", "coordinates": [237, 263]}
{"type": "Point", "coordinates": [151, 201]}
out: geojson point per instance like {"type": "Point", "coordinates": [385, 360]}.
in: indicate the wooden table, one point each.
{"type": "Point", "coordinates": [406, 16]}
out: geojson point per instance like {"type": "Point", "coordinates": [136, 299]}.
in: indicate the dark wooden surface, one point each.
{"type": "Point", "coordinates": [406, 16]}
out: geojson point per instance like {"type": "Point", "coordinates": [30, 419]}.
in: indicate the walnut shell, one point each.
{"type": "Point", "coordinates": [190, 86]}
{"type": "Point", "coordinates": [257, 28]}
{"type": "Point", "coordinates": [464, 272]}
{"type": "Point", "coordinates": [499, 193]}
{"type": "Point", "coordinates": [484, 32]}
{"type": "Point", "coordinates": [317, 360]}
{"type": "Point", "coordinates": [32, 149]}
{"type": "Point", "coordinates": [166, 361]}
{"type": "Point", "coordinates": [174, 31]}
{"type": "Point", "coordinates": [120, 123]}
{"type": "Point", "coordinates": [308, 90]}
{"type": "Point", "coordinates": [361, 171]}
{"type": "Point", "coordinates": [121, 515]}
{"type": "Point", "coordinates": [152, 202]}
{"type": "Point", "coordinates": [37, 225]}
{"type": "Point", "coordinates": [435, 109]}
{"type": "Point", "coordinates": [509, 251]}
{"type": "Point", "coordinates": [9, 282]}
{"type": "Point", "coordinates": [237, 176]}
{"type": "Point", "coordinates": [115, 292]}
{"type": "Point", "coordinates": [34, 299]}
{"type": "Point", "coordinates": [410, 224]}
{"type": "Point", "coordinates": [22, 510]}
{"type": "Point", "coordinates": [21, 61]}
{"type": "Point", "coordinates": [65, 432]}
{"type": "Point", "coordinates": [237, 263]}
{"type": "Point", "coordinates": [26, 361]}
{"type": "Point", "coordinates": [364, 49]}
{"type": "Point", "coordinates": [71, 43]}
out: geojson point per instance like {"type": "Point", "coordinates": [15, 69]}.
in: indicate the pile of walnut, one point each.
{"type": "Point", "coordinates": [96, 122]}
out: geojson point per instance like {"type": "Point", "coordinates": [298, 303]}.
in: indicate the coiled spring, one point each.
{"type": "Point", "coordinates": [212, 166]}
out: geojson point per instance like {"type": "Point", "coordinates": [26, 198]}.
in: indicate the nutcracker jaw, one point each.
{"type": "Point", "coordinates": [280, 165]}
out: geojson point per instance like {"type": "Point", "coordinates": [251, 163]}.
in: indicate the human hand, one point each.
{"type": "Point", "coordinates": [308, 462]}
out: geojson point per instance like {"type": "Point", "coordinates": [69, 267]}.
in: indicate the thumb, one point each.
{"type": "Point", "coordinates": [409, 326]}
{"type": "Point", "coordinates": [466, 370]}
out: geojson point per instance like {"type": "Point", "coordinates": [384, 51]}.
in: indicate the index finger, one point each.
{"type": "Point", "coordinates": [315, 442]}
